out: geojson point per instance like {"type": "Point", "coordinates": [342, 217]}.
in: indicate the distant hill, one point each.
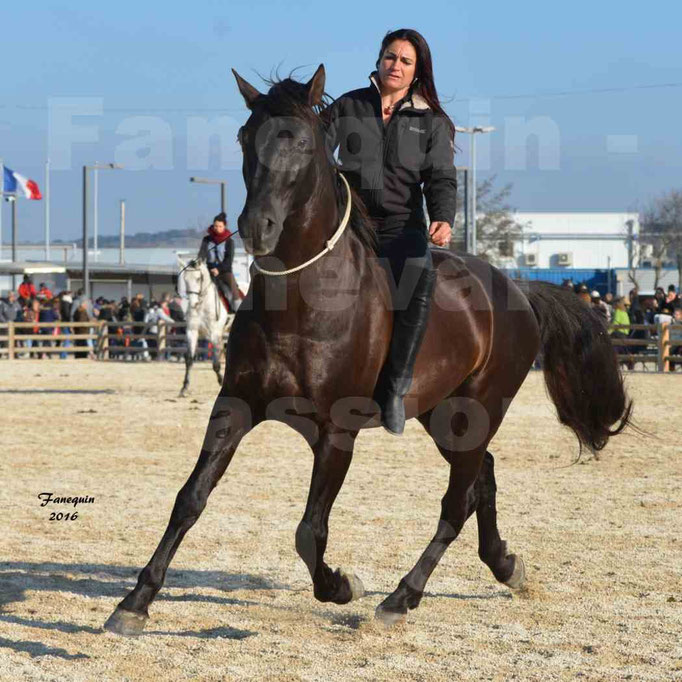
{"type": "Point", "coordinates": [166, 238]}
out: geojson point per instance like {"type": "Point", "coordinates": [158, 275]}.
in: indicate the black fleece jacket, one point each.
{"type": "Point", "coordinates": [388, 165]}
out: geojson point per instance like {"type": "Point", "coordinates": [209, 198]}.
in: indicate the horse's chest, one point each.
{"type": "Point", "coordinates": [299, 365]}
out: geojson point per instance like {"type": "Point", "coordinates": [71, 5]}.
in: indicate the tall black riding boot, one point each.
{"type": "Point", "coordinates": [408, 331]}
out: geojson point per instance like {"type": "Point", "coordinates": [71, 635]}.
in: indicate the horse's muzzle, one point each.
{"type": "Point", "coordinates": [259, 235]}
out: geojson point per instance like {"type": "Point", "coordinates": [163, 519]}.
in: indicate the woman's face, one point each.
{"type": "Point", "coordinates": [219, 226]}
{"type": "Point", "coordinates": [397, 66]}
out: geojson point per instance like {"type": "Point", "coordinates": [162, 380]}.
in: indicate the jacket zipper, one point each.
{"type": "Point", "coordinates": [384, 128]}
{"type": "Point", "coordinates": [385, 137]}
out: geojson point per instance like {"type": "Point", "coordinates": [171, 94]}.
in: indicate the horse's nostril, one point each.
{"type": "Point", "coordinates": [264, 225]}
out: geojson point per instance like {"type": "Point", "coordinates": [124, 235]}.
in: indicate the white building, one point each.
{"type": "Point", "coordinates": [573, 240]}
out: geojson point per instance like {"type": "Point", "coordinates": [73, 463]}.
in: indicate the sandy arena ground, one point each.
{"type": "Point", "coordinates": [600, 540]}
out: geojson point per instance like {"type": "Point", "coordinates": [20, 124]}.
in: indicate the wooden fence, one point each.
{"type": "Point", "coordinates": [101, 339]}
{"type": "Point", "coordinates": [652, 346]}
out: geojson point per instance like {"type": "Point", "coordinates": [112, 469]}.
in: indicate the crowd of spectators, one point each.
{"type": "Point", "coordinates": [620, 313]}
{"type": "Point", "coordinates": [133, 325]}
{"type": "Point", "coordinates": [134, 341]}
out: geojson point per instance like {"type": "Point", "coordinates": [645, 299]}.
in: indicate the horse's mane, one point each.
{"type": "Point", "coordinates": [289, 97]}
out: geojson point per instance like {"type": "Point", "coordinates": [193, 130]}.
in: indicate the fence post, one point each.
{"type": "Point", "coordinates": [161, 340]}
{"type": "Point", "coordinates": [663, 347]}
{"type": "Point", "coordinates": [103, 341]}
{"type": "Point", "coordinates": [10, 341]}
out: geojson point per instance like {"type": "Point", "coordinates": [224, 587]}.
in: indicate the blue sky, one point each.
{"type": "Point", "coordinates": [609, 143]}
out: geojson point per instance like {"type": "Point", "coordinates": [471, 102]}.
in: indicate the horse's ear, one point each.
{"type": "Point", "coordinates": [249, 93]}
{"type": "Point", "coordinates": [316, 86]}
{"type": "Point", "coordinates": [181, 262]}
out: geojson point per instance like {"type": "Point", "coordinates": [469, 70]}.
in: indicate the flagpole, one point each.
{"type": "Point", "coordinates": [14, 237]}
{"type": "Point", "coordinates": [46, 198]}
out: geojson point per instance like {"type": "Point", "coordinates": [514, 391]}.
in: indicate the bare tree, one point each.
{"type": "Point", "coordinates": [661, 228]}
{"type": "Point", "coordinates": [645, 250]}
{"type": "Point", "coordinates": [496, 228]}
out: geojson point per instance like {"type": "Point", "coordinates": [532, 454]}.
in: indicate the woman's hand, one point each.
{"type": "Point", "coordinates": [440, 232]}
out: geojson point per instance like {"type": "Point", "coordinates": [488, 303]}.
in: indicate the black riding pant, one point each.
{"type": "Point", "coordinates": [406, 255]}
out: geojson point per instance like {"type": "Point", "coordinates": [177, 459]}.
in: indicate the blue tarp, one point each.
{"type": "Point", "coordinates": [594, 279]}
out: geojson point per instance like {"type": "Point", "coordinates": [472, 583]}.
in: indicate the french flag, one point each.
{"type": "Point", "coordinates": [13, 180]}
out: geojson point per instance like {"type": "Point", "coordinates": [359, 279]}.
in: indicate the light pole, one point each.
{"type": "Point", "coordinates": [122, 247]}
{"type": "Point", "coordinates": [2, 196]}
{"type": "Point", "coordinates": [95, 213]}
{"type": "Point", "coordinates": [472, 131]}
{"type": "Point", "coordinates": [86, 270]}
{"type": "Point", "coordinates": [465, 206]}
{"type": "Point", "coordinates": [211, 181]}
{"type": "Point", "coordinates": [46, 199]}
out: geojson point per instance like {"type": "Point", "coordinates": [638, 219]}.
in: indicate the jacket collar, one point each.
{"type": "Point", "coordinates": [413, 100]}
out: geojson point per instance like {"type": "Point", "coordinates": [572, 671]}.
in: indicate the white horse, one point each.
{"type": "Point", "coordinates": [206, 315]}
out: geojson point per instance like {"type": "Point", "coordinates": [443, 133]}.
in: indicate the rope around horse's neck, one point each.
{"type": "Point", "coordinates": [329, 245]}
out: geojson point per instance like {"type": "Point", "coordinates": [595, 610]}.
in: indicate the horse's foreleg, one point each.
{"type": "Point", "coordinates": [230, 420]}
{"type": "Point", "coordinates": [217, 352]}
{"type": "Point", "coordinates": [507, 568]}
{"type": "Point", "coordinates": [192, 339]}
{"type": "Point", "coordinates": [333, 455]}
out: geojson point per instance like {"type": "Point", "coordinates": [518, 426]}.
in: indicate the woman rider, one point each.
{"type": "Point", "coordinates": [396, 147]}
{"type": "Point", "coordinates": [217, 249]}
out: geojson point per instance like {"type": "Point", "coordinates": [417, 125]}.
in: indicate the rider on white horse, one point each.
{"type": "Point", "coordinates": [217, 249]}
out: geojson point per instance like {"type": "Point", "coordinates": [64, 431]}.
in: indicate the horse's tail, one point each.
{"type": "Point", "coordinates": [580, 365]}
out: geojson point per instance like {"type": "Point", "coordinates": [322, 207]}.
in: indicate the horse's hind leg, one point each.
{"type": "Point", "coordinates": [229, 422]}
{"type": "Point", "coordinates": [458, 504]}
{"type": "Point", "coordinates": [507, 568]}
{"type": "Point", "coordinates": [333, 455]}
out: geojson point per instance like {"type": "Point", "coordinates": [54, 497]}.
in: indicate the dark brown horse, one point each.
{"type": "Point", "coordinates": [307, 349]}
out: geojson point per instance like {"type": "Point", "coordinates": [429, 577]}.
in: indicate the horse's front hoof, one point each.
{"type": "Point", "coordinates": [357, 589]}
{"type": "Point", "coordinates": [389, 618]}
{"type": "Point", "coordinates": [127, 623]}
{"type": "Point", "coordinates": [518, 577]}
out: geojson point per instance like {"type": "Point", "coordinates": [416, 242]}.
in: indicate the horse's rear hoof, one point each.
{"type": "Point", "coordinates": [126, 623]}
{"type": "Point", "coordinates": [389, 618]}
{"type": "Point", "coordinates": [357, 589]}
{"type": "Point", "coordinates": [518, 576]}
